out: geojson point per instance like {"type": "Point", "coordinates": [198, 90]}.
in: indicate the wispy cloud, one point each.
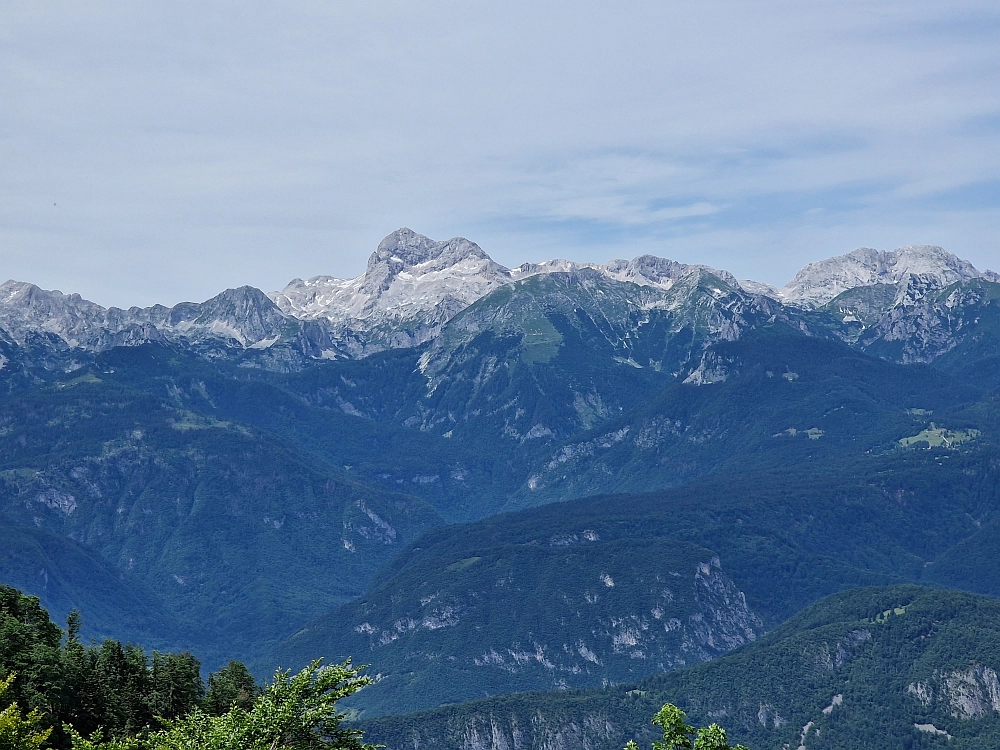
{"type": "Point", "coordinates": [191, 146]}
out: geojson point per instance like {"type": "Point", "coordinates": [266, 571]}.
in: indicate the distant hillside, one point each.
{"type": "Point", "coordinates": [235, 531]}
{"type": "Point", "coordinates": [67, 575]}
{"type": "Point", "coordinates": [609, 588]}
{"type": "Point", "coordinates": [869, 669]}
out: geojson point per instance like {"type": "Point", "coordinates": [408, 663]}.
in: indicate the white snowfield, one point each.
{"type": "Point", "coordinates": [411, 288]}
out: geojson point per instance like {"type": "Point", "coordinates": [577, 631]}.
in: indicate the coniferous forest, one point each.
{"type": "Point", "coordinates": [61, 693]}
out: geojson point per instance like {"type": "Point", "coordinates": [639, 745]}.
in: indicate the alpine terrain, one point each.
{"type": "Point", "coordinates": [566, 492]}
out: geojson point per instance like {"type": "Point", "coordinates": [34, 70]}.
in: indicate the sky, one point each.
{"type": "Point", "coordinates": [161, 152]}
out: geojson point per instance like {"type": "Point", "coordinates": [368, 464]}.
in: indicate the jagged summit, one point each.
{"type": "Point", "coordinates": [244, 315]}
{"type": "Point", "coordinates": [410, 288]}
{"type": "Point", "coordinates": [404, 249]}
{"type": "Point", "coordinates": [644, 270]}
{"type": "Point", "coordinates": [410, 261]}
{"type": "Point", "coordinates": [413, 286]}
{"type": "Point", "coordinates": [26, 309]}
{"type": "Point", "coordinates": [820, 282]}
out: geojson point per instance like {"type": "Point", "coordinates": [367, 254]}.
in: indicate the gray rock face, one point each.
{"type": "Point", "coordinates": [244, 318]}
{"type": "Point", "coordinates": [934, 324]}
{"type": "Point", "coordinates": [25, 310]}
{"type": "Point", "coordinates": [505, 730]}
{"type": "Point", "coordinates": [411, 287]}
{"type": "Point", "coordinates": [929, 267]}
{"type": "Point", "coordinates": [970, 693]}
{"type": "Point", "coordinates": [645, 270]}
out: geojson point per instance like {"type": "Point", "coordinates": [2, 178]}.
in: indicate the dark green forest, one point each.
{"type": "Point", "coordinates": [60, 693]}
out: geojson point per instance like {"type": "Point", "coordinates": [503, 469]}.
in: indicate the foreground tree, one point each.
{"type": "Point", "coordinates": [233, 685]}
{"type": "Point", "coordinates": [297, 712]}
{"type": "Point", "coordinates": [677, 733]}
{"type": "Point", "coordinates": [17, 731]}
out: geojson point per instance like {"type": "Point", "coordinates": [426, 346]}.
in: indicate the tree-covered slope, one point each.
{"type": "Point", "coordinates": [346, 414]}
{"type": "Point", "coordinates": [574, 612]}
{"type": "Point", "coordinates": [879, 668]}
{"type": "Point", "coordinates": [782, 539]}
{"type": "Point", "coordinates": [242, 537]}
{"type": "Point", "coordinates": [66, 575]}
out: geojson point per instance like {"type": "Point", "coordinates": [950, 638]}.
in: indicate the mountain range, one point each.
{"type": "Point", "coordinates": [413, 286]}
{"type": "Point", "coordinates": [483, 480]}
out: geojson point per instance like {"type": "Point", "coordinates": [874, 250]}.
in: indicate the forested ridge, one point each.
{"type": "Point", "coordinates": [882, 668]}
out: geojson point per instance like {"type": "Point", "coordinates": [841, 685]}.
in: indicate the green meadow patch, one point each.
{"type": "Point", "coordinates": [939, 437]}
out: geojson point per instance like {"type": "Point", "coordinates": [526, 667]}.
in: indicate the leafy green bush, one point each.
{"type": "Point", "coordinates": [297, 712]}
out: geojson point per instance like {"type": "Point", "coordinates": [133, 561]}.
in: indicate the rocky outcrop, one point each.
{"type": "Point", "coordinates": [927, 266]}
{"type": "Point", "coordinates": [922, 330]}
{"type": "Point", "coordinates": [970, 693]}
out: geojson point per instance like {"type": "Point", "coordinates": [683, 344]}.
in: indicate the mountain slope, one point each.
{"type": "Point", "coordinates": [782, 539]}
{"type": "Point", "coordinates": [898, 667]}
{"type": "Point", "coordinates": [212, 515]}
{"type": "Point", "coordinates": [962, 317]}
{"type": "Point", "coordinates": [575, 612]}
{"type": "Point", "coordinates": [66, 575]}
{"type": "Point", "coordinates": [772, 398]}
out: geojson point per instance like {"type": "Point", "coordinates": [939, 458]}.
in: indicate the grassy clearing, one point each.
{"type": "Point", "coordinates": [939, 437]}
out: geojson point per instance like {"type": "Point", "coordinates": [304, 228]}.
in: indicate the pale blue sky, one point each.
{"type": "Point", "coordinates": [189, 147]}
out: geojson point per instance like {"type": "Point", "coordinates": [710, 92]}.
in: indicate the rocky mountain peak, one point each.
{"type": "Point", "coordinates": [411, 287]}
{"type": "Point", "coordinates": [644, 270]}
{"type": "Point", "coordinates": [404, 248]}
{"type": "Point", "coordinates": [245, 314]}
{"type": "Point", "coordinates": [40, 302]}
{"type": "Point", "coordinates": [820, 282]}
{"type": "Point", "coordinates": [26, 308]}
{"type": "Point", "coordinates": [651, 270]}
{"type": "Point", "coordinates": [240, 303]}
{"type": "Point", "coordinates": [406, 251]}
